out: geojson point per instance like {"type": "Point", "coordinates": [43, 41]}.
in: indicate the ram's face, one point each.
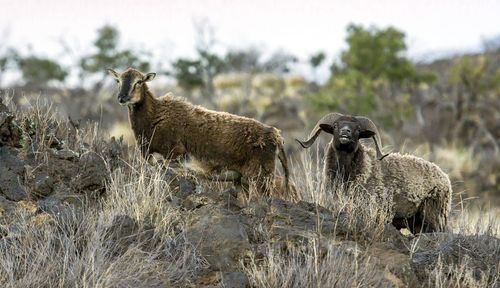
{"type": "Point", "coordinates": [346, 135]}
{"type": "Point", "coordinates": [130, 85]}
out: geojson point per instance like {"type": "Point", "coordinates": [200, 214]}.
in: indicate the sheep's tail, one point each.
{"type": "Point", "coordinates": [284, 163]}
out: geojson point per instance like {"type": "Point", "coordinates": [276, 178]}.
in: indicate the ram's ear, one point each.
{"type": "Point", "coordinates": [326, 127]}
{"type": "Point", "coordinates": [148, 77]}
{"type": "Point", "coordinates": [366, 133]}
{"type": "Point", "coordinates": [113, 74]}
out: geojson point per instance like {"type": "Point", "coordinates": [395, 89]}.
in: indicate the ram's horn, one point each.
{"type": "Point", "coordinates": [368, 125]}
{"type": "Point", "coordinates": [327, 119]}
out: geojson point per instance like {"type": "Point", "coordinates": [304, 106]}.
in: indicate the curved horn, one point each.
{"type": "Point", "coordinates": [367, 124]}
{"type": "Point", "coordinates": [327, 119]}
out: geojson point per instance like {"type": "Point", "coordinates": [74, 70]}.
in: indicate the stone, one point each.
{"type": "Point", "coordinates": [235, 279]}
{"type": "Point", "coordinates": [186, 187]}
{"type": "Point", "coordinates": [10, 185]}
{"type": "Point", "coordinates": [10, 132]}
{"type": "Point", "coordinates": [480, 252]}
{"type": "Point", "coordinates": [220, 237]}
{"type": "Point", "coordinates": [196, 201]}
{"type": "Point", "coordinates": [120, 233]}
{"type": "Point", "coordinates": [398, 264]}
{"type": "Point", "coordinates": [44, 185]}
{"type": "Point", "coordinates": [92, 174]}
{"type": "Point", "coordinates": [65, 154]}
{"type": "Point", "coordinates": [11, 174]}
{"type": "Point", "coordinates": [66, 208]}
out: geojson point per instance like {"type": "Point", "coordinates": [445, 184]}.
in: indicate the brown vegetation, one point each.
{"type": "Point", "coordinates": [150, 226]}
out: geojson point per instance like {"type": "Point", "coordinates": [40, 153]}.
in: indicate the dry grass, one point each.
{"type": "Point", "coordinates": [75, 251]}
{"type": "Point", "coordinates": [305, 267]}
{"type": "Point", "coordinates": [365, 214]}
{"type": "Point", "coordinates": [320, 264]}
{"type": "Point", "coordinates": [461, 275]}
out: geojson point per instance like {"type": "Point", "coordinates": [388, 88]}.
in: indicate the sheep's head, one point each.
{"type": "Point", "coordinates": [346, 131]}
{"type": "Point", "coordinates": [130, 85]}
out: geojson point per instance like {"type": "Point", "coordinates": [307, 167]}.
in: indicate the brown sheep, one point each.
{"type": "Point", "coordinates": [219, 141]}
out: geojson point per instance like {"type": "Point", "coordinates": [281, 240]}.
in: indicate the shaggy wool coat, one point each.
{"type": "Point", "coordinates": [218, 141]}
{"type": "Point", "coordinates": [414, 184]}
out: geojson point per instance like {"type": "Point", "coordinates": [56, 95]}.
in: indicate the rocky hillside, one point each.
{"type": "Point", "coordinates": [79, 209]}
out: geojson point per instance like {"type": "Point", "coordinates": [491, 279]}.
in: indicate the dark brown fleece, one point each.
{"type": "Point", "coordinates": [218, 141]}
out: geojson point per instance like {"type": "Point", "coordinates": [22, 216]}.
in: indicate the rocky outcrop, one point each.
{"type": "Point", "coordinates": [481, 252]}
{"type": "Point", "coordinates": [227, 231]}
{"type": "Point", "coordinates": [30, 170]}
{"type": "Point", "coordinates": [10, 132]}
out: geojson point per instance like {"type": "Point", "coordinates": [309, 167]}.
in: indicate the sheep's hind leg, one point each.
{"type": "Point", "coordinates": [432, 220]}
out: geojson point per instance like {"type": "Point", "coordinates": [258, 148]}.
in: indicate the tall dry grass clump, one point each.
{"type": "Point", "coordinates": [365, 214]}
{"type": "Point", "coordinates": [133, 235]}
{"type": "Point", "coordinates": [306, 266]}
{"type": "Point", "coordinates": [321, 262]}
{"type": "Point", "coordinates": [128, 239]}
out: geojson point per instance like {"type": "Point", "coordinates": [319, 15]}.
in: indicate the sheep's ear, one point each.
{"type": "Point", "coordinates": [327, 128]}
{"type": "Point", "coordinates": [148, 77]}
{"type": "Point", "coordinates": [113, 74]}
{"type": "Point", "coordinates": [366, 133]}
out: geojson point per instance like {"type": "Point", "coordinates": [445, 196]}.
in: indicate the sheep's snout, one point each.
{"type": "Point", "coordinates": [345, 135]}
{"type": "Point", "coordinates": [123, 99]}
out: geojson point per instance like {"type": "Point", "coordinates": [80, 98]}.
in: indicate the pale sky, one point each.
{"type": "Point", "coordinates": [299, 27]}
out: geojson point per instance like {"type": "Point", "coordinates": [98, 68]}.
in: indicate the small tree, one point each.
{"type": "Point", "coordinates": [200, 71]}
{"type": "Point", "coordinates": [108, 55]}
{"type": "Point", "coordinates": [40, 70]}
{"type": "Point", "coordinates": [315, 61]}
{"type": "Point", "coordinates": [243, 61]}
{"type": "Point", "coordinates": [373, 77]}
{"type": "Point", "coordinates": [251, 61]}
{"type": "Point", "coordinates": [188, 73]}
{"type": "Point", "coordinates": [469, 73]}
{"type": "Point", "coordinates": [279, 62]}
